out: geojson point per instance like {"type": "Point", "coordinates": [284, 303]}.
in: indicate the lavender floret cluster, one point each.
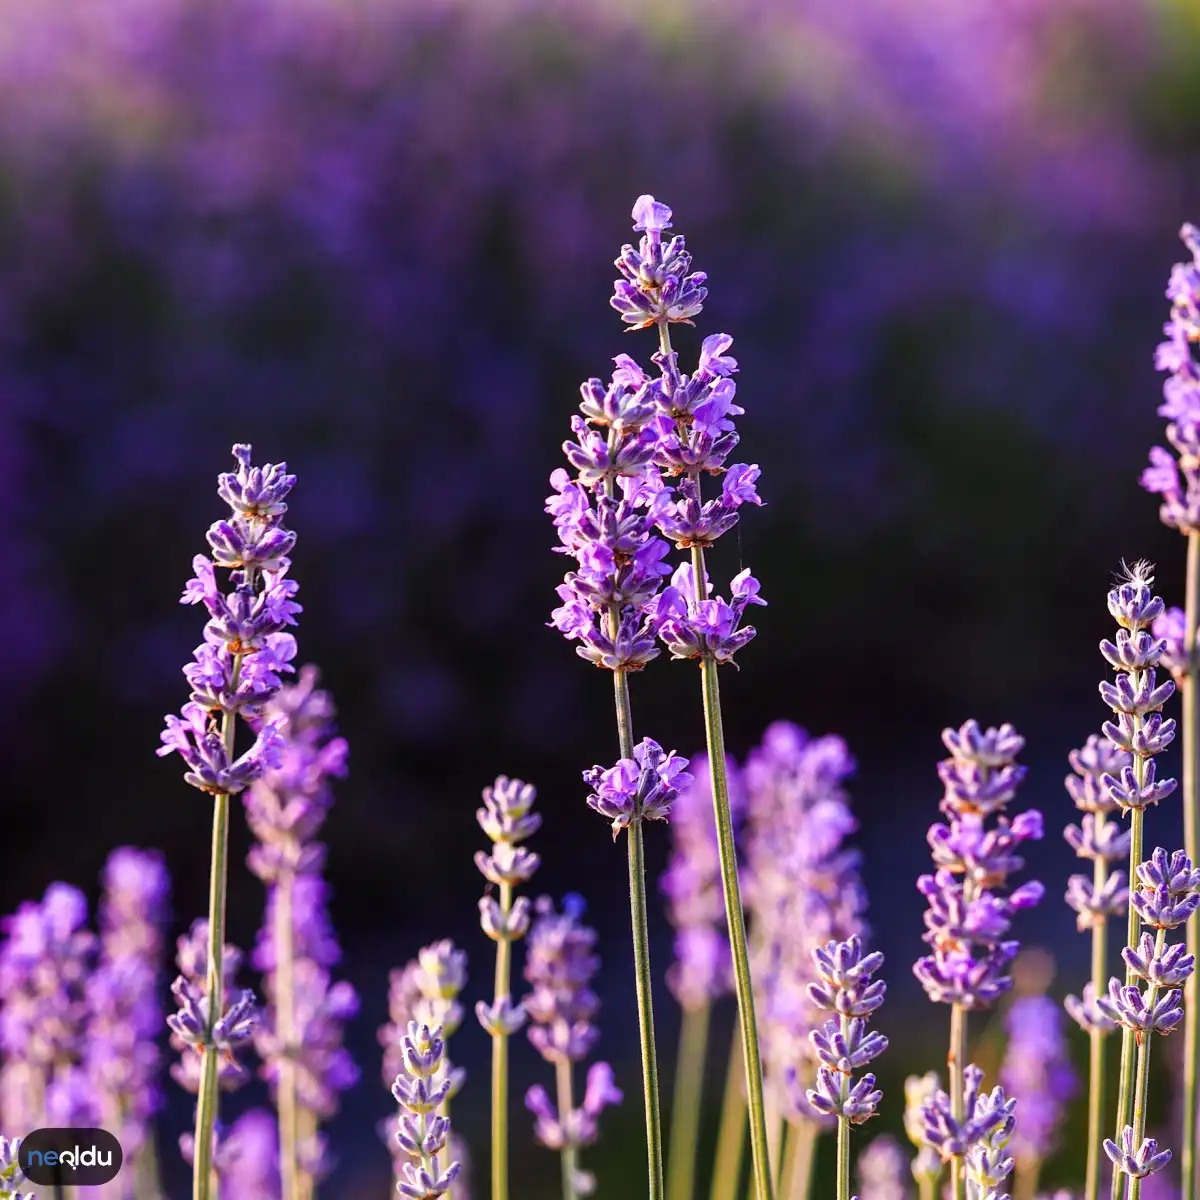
{"type": "Point", "coordinates": [969, 917]}
{"type": "Point", "coordinates": [421, 1089]}
{"type": "Point", "coordinates": [981, 1138]}
{"type": "Point", "coordinates": [237, 669]}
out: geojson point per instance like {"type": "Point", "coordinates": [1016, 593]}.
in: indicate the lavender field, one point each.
{"type": "Point", "coordinates": [691, 467]}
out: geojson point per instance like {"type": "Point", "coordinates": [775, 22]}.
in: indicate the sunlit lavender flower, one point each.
{"type": "Point", "coordinates": [980, 1136]}
{"type": "Point", "coordinates": [1136, 1159]}
{"type": "Point", "coordinates": [926, 1165]}
{"type": "Point", "coordinates": [1037, 1070]}
{"type": "Point", "coordinates": [237, 667]}
{"type": "Point", "coordinates": [559, 965]}
{"type": "Point", "coordinates": [125, 1013]}
{"type": "Point", "coordinates": [45, 962]}
{"type": "Point", "coordinates": [421, 1089]}
{"type": "Point", "coordinates": [882, 1168]}
{"type": "Point", "coordinates": [1177, 480]}
{"type": "Point", "coordinates": [643, 786]}
{"type": "Point", "coordinates": [188, 1025]}
{"type": "Point", "coordinates": [968, 917]}
{"type": "Point", "coordinates": [692, 885]}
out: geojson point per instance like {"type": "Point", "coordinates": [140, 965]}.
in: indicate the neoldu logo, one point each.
{"type": "Point", "coordinates": [70, 1157]}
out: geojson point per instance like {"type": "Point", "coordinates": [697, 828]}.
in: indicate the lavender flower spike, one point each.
{"type": "Point", "coordinates": [1140, 730]}
{"type": "Point", "coordinates": [969, 915]}
{"type": "Point", "coordinates": [845, 986]}
{"type": "Point", "coordinates": [508, 820]}
{"type": "Point", "coordinates": [421, 1088]}
{"type": "Point", "coordinates": [236, 671]}
{"type": "Point", "coordinates": [560, 966]}
{"type": "Point", "coordinates": [11, 1175]}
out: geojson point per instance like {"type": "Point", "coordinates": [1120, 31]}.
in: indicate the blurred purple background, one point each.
{"type": "Point", "coordinates": [374, 238]}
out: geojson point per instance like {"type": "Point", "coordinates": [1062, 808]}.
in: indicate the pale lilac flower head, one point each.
{"type": "Point", "coordinates": [657, 284]}
{"type": "Point", "coordinates": [423, 1133]}
{"type": "Point", "coordinates": [1136, 1161]}
{"type": "Point", "coordinates": [560, 963]}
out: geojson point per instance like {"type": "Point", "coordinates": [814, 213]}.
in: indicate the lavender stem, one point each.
{"type": "Point", "coordinates": [1098, 1042]}
{"type": "Point", "coordinates": [843, 1129]}
{"type": "Point", "coordinates": [731, 1134]}
{"type": "Point", "coordinates": [285, 1011]}
{"type": "Point", "coordinates": [734, 916]}
{"type": "Point", "coordinates": [1128, 1066]}
{"type": "Point", "coordinates": [566, 1104]}
{"type": "Point", "coordinates": [686, 1104]}
{"type": "Point", "coordinates": [500, 1059]}
{"type": "Point", "coordinates": [1191, 842]}
{"type": "Point", "coordinates": [1142, 1088]}
{"type": "Point", "coordinates": [956, 1060]}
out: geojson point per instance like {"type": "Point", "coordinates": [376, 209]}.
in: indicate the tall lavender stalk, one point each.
{"type": "Point", "coordinates": [607, 606]}
{"type": "Point", "coordinates": [701, 971]}
{"type": "Point", "coordinates": [1095, 901]}
{"type": "Point", "coordinates": [300, 1040]}
{"type": "Point", "coordinates": [561, 1007]}
{"type": "Point", "coordinates": [1178, 482]}
{"type": "Point", "coordinates": [1165, 897]}
{"type": "Point", "coordinates": [695, 436]}
{"type": "Point", "coordinates": [507, 819]}
{"type": "Point", "coordinates": [1140, 730]}
{"type": "Point", "coordinates": [235, 672]}
{"type": "Point", "coordinates": [968, 916]}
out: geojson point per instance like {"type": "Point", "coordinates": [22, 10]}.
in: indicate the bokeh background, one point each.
{"type": "Point", "coordinates": [374, 238]}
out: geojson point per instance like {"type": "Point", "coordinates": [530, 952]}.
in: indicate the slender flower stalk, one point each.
{"type": "Point", "coordinates": [1140, 731]}
{"type": "Point", "coordinates": [1167, 893]}
{"type": "Point", "coordinates": [561, 1006]}
{"type": "Point", "coordinates": [701, 971]}
{"type": "Point", "coordinates": [1095, 902]}
{"type": "Point", "coordinates": [235, 672]}
{"type": "Point", "coordinates": [731, 1132]}
{"type": "Point", "coordinates": [507, 819]}
{"type": "Point", "coordinates": [695, 436]}
{"type": "Point", "coordinates": [1177, 481]}
{"type": "Point", "coordinates": [969, 917]}
{"type": "Point", "coordinates": [845, 987]}
{"type": "Point", "coordinates": [300, 1038]}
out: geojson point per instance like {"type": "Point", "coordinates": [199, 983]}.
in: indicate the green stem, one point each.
{"type": "Point", "coordinates": [641, 958]}
{"type": "Point", "coordinates": [1098, 1039]}
{"type": "Point", "coordinates": [1141, 1099]}
{"type": "Point", "coordinates": [500, 1059]}
{"type": "Point", "coordinates": [566, 1104]}
{"type": "Point", "coordinates": [1125, 1095]}
{"type": "Point", "coordinates": [927, 1187]}
{"type": "Point", "coordinates": [734, 916]}
{"type": "Point", "coordinates": [687, 1103]}
{"type": "Point", "coordinates": [956, 1060]}
{"type": "Point", "coordinates": [804, 1138]}
{"type": "Point", "coordinates": [787, 1162]}
{"type": "Point", "coordinates": [1026, 1176]}
{"type": "Point", "coordinates": [1191, 842]}
{"type": "Point", "coordinates": [731, 1133]}
{"type": "Point", "coordinates": [285, 1011]}
{"type": "Point", "coordinates": [203, 1174]}
{"type": "Point", "coordinates": [843, 1159]}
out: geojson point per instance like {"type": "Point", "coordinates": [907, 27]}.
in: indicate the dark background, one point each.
{"type": "Point", "coordinates": [374, 238]}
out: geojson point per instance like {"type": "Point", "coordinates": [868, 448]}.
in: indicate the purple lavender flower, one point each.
{"type": "Point", "coordinates": [1134, 1159]}
{"type": "Point", "coordinates": [300, 1036]}
{"type": "Point", "coordinates": [985, 1129]}
{"type": "Point", "coordinates": [11, 1175]}
{"type": "Point", "coordinates": [642, 787]}
{"type": "Point", "coordinates": [559, 966]}
{"type": "Point", "coordinates": [45, 962]}
{"type": "Point", "coordinates": [247, 1157]}
{"type": "Point", "coordinates": [692, 884]}
{"type": "Point", "coordinates": [1037, 1069]}
{"type": "Point", "coordinates": [1177, 481]}
{"type": "Point", "coordinates": [968, 918]}
{"type": "Point", "coordinates": [125, 1014]}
